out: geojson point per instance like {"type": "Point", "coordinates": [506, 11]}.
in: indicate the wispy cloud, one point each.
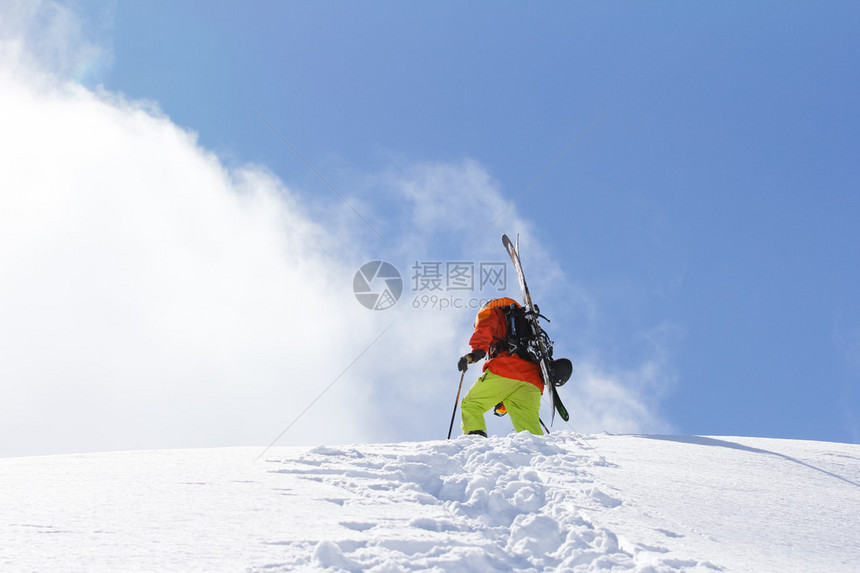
{"type": "Point", "coordinates": [627, 398]}
{"type": "Point", "coordinates": [46, 36]}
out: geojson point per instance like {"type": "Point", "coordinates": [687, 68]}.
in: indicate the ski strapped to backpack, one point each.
{"type": "Point", "coordinates": [535, 342]}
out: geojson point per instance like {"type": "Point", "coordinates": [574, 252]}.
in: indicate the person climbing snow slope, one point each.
{"type": "Point", "coordinates": [508, 382]}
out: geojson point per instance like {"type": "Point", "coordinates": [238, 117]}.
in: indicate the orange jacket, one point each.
{"type": "Point", "coordinates": [491, 326]}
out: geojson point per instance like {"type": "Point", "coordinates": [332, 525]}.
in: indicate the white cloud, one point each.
{"type": "Point", "coordinates": [149, 296]}
{"type": "Point", "coordinates": [622, 400]}
{"type": "Point", "coordinates": [44, 36]}
{"type": "Point", "coordinates": [617, 401]}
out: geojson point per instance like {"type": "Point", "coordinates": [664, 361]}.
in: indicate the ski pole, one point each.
{"type": "Point", "coordinates": [457, 401]}
{"type": "Point", "coordinates": [544, 426]}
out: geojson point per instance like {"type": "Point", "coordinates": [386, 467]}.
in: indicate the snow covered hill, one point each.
{"type": "Point", "coordinates": [563, 502]}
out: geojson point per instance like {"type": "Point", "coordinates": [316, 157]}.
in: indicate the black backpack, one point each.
{"type": "Point", "coordinates": [522, 341]}
{"type": "Point", "coordinates": [521, 338]}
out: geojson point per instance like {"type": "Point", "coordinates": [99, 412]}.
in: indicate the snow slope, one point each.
{"type": "Point", "coordinates": [562, 502]}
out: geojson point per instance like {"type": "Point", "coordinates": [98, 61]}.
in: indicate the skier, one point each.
{"type": "Point", "coordinates": [508, 381]}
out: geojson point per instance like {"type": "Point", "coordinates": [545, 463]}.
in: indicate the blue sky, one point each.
{"type": "Point", "coordinates": [684, 175]}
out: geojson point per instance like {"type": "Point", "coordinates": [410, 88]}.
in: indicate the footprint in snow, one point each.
{"type": "Point", "coordinates": [604, 499]}
{"type": "Point", "coordinates": [358, 525]}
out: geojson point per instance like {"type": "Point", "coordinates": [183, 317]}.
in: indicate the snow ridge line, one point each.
{"type": "Point", "coordinates": [518, 502]}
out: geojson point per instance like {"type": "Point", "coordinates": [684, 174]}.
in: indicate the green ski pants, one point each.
{"type": "Point", "coordinates": [521, 399]}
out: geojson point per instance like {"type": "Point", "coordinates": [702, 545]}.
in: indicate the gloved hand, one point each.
{"type": "Point", "coordinates": [467, 359]}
